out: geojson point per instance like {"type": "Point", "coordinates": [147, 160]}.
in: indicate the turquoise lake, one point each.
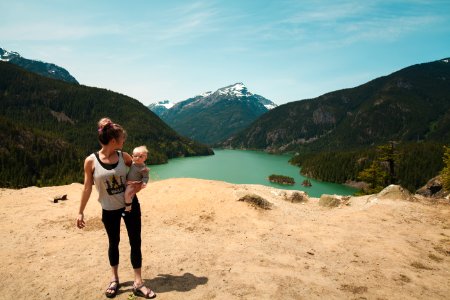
{"type": "Point", "coordinates": [244, 167]}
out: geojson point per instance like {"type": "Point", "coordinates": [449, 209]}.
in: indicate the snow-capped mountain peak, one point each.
{"type": "Point", "coordinates": [161, 107]}
{"type": "Point", "coordinates": [237, 89]}
{"type": "Point", "coordinates": [36, 66]}
{"type": "Point", "coordinates": [214, 117]}
{"type": "Point", "coordinates": [6, 55]}
{"type": "Point", "coordinates": [166, 103]}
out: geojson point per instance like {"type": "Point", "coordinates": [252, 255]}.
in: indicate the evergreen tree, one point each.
{"type": "Point", "coordinates": [376, 176]}
{"type": "Point", "coordinates": [389, 155]}
{"type": "Point", "coordinates": [382, 170]}
{"type": "Point", "coordinates": [445, 173]}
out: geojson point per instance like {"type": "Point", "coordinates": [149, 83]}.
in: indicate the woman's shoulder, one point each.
{"type": "Point", "coordinates": [89, 163]}
{"type": "Point", "coordinates": [90, 159]}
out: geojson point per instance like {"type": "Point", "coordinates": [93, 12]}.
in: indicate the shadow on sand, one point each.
{"type": "Point", "coordinates": [164, 283]}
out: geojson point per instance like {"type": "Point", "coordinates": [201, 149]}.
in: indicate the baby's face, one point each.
{"type": "Point", "coordinates": [139, 157]}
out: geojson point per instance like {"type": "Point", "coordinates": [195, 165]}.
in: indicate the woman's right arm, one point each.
{"type": "Point", "coordinates": [87, 189]}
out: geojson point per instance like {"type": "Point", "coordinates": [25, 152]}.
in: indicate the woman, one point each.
{"type": "Point", "coordinates": [107, 168]}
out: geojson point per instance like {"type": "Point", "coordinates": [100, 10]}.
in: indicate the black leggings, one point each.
{"type": "Point", "coordinates": [111, 220]}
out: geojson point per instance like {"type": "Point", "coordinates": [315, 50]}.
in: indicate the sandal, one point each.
{"type": "Point", "coordinates": [137, 290]}
{"type": "Point", "coordinates": [113, 287]}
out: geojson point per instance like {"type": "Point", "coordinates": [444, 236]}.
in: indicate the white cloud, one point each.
{"type": "Point", "coordinates": [319, 24]}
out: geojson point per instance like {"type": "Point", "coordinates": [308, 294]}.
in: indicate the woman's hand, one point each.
{"type": "Point", "coordinates": [80, 221]}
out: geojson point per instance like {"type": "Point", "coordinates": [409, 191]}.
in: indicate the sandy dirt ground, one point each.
{"type": "Point", "coordinates": [199, 242]}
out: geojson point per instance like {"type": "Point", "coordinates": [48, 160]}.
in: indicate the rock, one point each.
{"type": "Point", "coordinates": [360, 185]}
{"type": "Point", "coordinates": [329, 200]}
{"type": "Point", "coordinates": [296, 197]}
{"type": "Point", "coordinates": [59, 197]}
{"type": "Point", "coordinates": [394, 192]}
{"type": "Point", "coordinates": [433, 188]}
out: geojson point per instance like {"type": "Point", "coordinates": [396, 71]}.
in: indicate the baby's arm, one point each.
{"type": "Point", "coordinates": [145, 175]}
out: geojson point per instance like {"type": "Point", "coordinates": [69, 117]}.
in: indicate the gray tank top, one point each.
{"type": "Point", "coordinates": [110, 182]}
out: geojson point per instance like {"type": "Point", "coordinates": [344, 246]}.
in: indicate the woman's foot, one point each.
{"type": "Point", "coordinates": [112, 289]}
{"type": "Point", "coordinates": [143, 291]}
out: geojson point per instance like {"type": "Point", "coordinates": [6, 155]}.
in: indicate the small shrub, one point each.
{"type": "Point", "coordinates": [257, 201]}
{"type": "Point", "coordinates": [296, 197]}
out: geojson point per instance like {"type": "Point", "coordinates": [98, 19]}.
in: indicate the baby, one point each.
{"type": "Point", "coordinates": [137, 174]}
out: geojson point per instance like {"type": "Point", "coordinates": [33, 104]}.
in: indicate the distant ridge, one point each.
{"type": "Point", "coordinates": [42, 68]}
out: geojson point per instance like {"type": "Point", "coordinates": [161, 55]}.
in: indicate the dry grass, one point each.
{"type": "Point", "coordinates": [354, 289]}
{"type": "Point", "coordinates": [419, 265]}
{"type": "Point", "coordinates": [435, 258]}
{"type": "Point", "coordinates": [442, 250]}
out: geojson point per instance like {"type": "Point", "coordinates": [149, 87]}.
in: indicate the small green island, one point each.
{"type": "Point", "coordinates": [306, 183]}
{"type": "Point", "coordinates": [281, 179]}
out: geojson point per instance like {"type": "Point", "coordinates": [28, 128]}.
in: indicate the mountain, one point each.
{"type": "Point", "coordinates": [412, 104]}
{"type": "Point", "coordinates": [161, 107]}
{"type": "Point", "coordinates": [214, 116]}
{"type": "Point", "coordinates": [48, 127]}
{"type": "Point", "coordinates": [38, 67]}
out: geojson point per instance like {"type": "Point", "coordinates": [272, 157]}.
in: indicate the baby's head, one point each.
{"type": "Point", "coordinates": [140, 154]}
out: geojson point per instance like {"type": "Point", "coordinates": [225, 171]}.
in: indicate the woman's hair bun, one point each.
{"type": "Point", "coordinates": [104, 122]}
{"type": "Point", "coordinates": [108, 130]}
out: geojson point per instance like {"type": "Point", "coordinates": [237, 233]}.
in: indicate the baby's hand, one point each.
{"type": "Point", "coordinates": [144, 185]}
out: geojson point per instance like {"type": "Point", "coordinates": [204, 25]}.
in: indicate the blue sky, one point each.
{"type": "Point", "coordinates": [284, 50]}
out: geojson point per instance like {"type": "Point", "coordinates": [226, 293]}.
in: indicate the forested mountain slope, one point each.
{"type": "Point", "coordinates": [48, 127]}
{"type": "Point", "coordinates": [408, 105]}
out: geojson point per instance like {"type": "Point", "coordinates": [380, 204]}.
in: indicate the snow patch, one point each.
{"type": "Point", "coordinates": [270, 106]}
{"type": "Point", "coordinates": [206, 94]}
{"type": "Point", "coordinates": [445, 60]}
{"type": "Point", "coordinates": [166, 103]}
{"type": "Point", "coordinates": [8, 55]}
{"type": "Point", "coordinates": [238, 90]}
